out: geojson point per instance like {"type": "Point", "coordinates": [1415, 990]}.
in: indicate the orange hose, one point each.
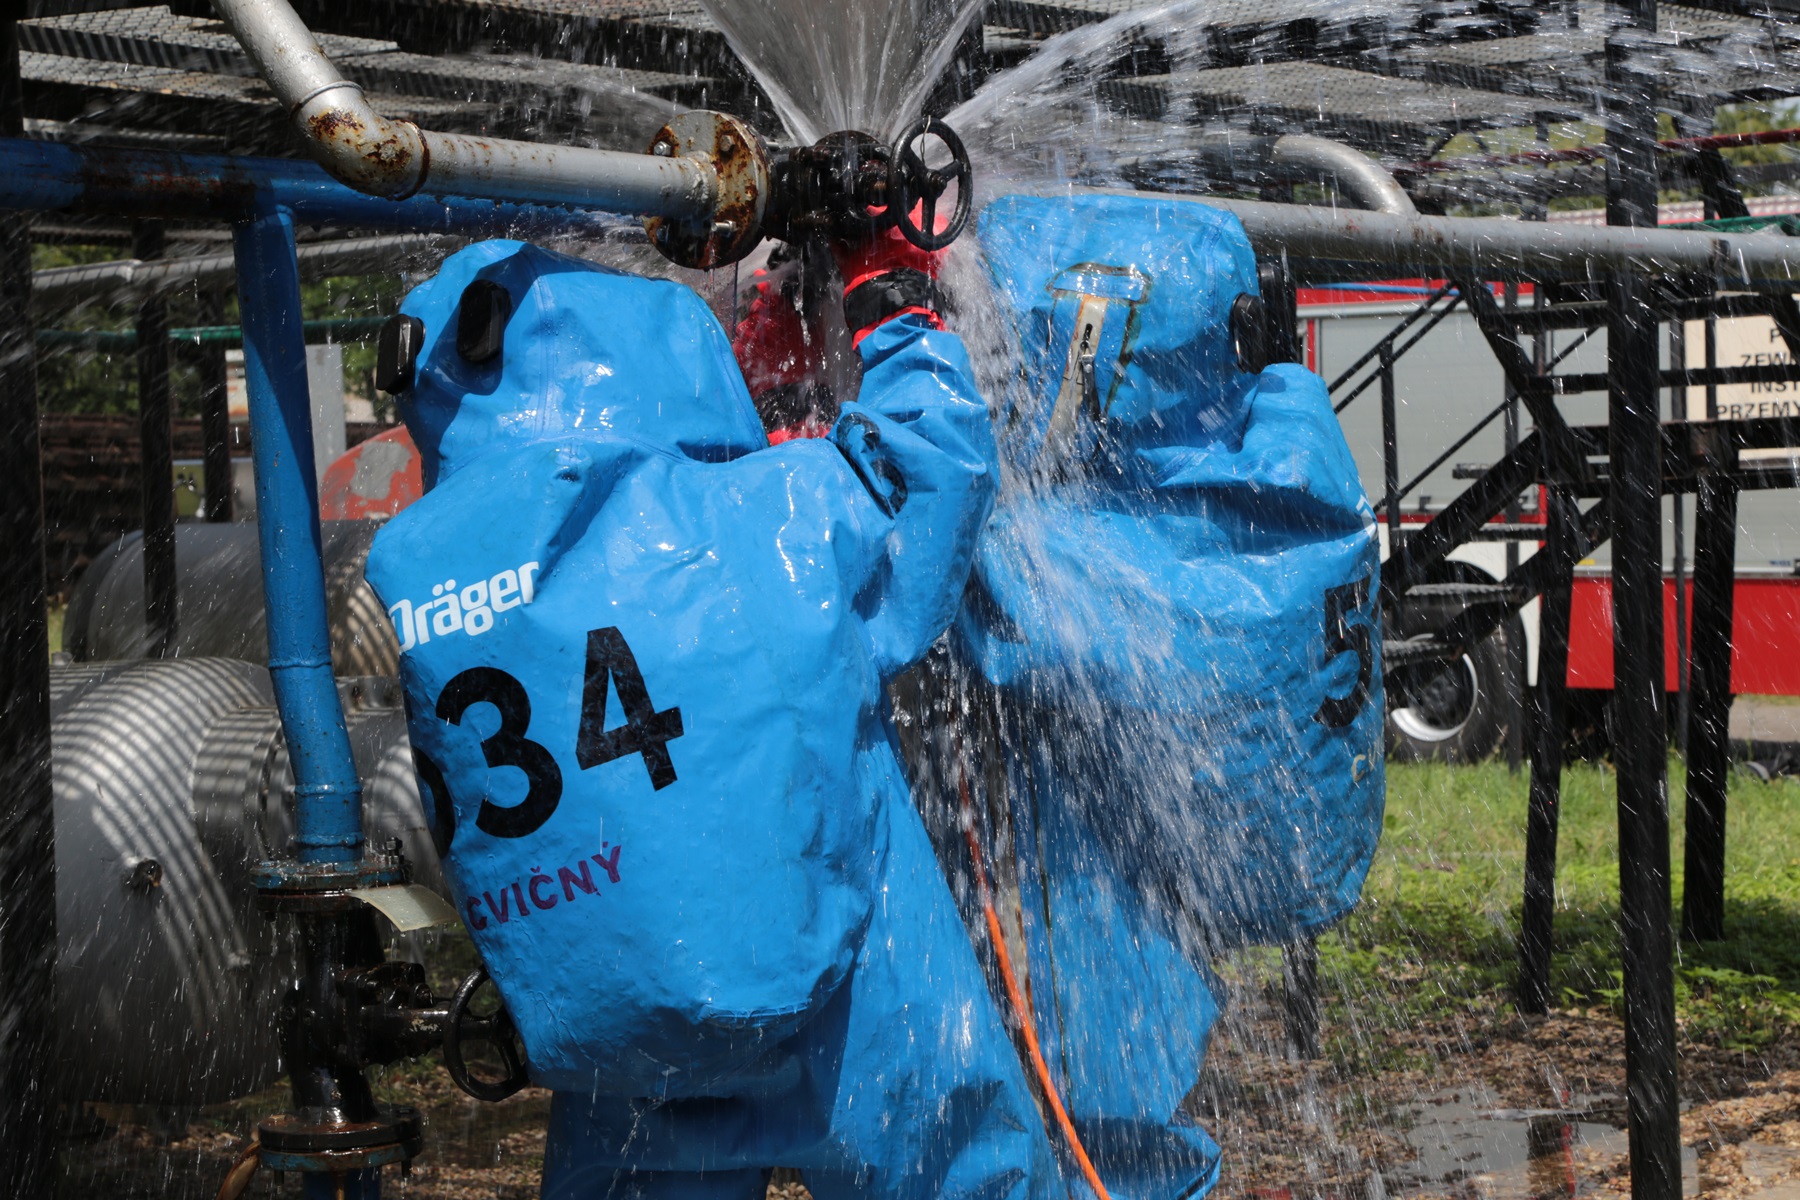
{"type": "Point", "coordinates": [237, 1180]}
{"type": "Point", "coordinates": [1014, 994]}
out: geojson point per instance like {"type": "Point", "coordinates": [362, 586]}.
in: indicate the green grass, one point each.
{"type": "Point", "coordinates": [1441, 907]}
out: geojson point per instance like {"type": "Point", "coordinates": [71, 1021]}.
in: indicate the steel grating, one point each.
{"type": "Point", "coordinates": [156, 37]}
{"type": "Point", "coordinates": [1393, 77]}
{"type": "Point", "coordinates": [166, 82]}
{"type": "Point", "coordinates": [1297, 95]}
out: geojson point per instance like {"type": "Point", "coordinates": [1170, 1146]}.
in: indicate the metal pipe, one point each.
{"type": "Point", "coordinates": [136, 277]}
{"type": "Point", "coordinates": [396, 159]}
{"type": "Point", "coordinates": [55, 176]}
{"type": "Point", "coordinates": [1493, 246]}
{"type": "Point", "coordinates": [27, 827]}
{"type": "Point", "coordinates": [196, 339]}
{"type": "Point", "coordinates": [1358, 174]}
{"type": "Point", "coordinates": [143, 184]}
{"type": "Point", "coordinates": [156, 442]}
{"type": "Point", "coordinates": [327, 792]}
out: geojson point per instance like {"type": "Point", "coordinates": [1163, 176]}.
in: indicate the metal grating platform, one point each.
{"type": "Point", "coordinates": [1396, 79]}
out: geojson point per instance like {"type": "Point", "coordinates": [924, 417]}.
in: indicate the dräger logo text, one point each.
{"type": "Point", "coordinates": [469, 610]}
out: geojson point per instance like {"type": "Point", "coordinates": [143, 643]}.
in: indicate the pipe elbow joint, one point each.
{"type": "Point", "coordinates": [1355, 172]}
{"type": "Point", "coordinates": [359, 147]}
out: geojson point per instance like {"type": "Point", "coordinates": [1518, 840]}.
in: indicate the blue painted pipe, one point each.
{"type": "Point", "coordinates": [327, 792]}
{"type": "Point", "coordinates": [154, 183]}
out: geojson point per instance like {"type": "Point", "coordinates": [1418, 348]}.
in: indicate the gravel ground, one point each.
{"type": "Point", "coordinates": [1290, 1129]}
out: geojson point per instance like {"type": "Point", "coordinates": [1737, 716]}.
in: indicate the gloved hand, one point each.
{"type": "Point", "coordinates": [784, 369]}
{"type": "Point", "coordinates": [770, 342]}
{"type": "Point", "coordinates": [886, 277]}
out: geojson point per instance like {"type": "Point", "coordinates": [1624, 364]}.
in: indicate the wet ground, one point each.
{"type": "Point", "coordinates": [1488, 1106]}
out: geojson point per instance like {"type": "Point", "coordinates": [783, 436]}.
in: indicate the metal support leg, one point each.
{"type": "Point", "coordinates": [1640, 745]}
{"type": "Point", "coordinates": [27, 833]}
{"type": "Point", "coordinates": [1715, 548]}
{"type": "Point", "coordinates": [1390, 455]}
{"type": "Point", "coordinates": [1678, 510]}
{"type": "Point", "coordinates": [215, 415]}
{"type": "Point", "coordinates": [1536, 935]}
{"type": "Point", "coordinates": [156, 438]}
{"type": "Point", "coordinates": [1300, 977]}
{"type": "Point", "coordinates": [1515, 739]}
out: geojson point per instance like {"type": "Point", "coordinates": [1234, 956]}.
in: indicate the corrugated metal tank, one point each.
{"type": "Point", "coordinates": [171, 782]}
{"type": "Point", "coordinates": [220, 602]}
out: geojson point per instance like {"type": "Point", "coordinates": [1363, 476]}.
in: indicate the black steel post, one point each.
{"type": "Point", "coordinates": [1300, 979]}
{"type": "Point", "coordinates": [215, 415]}
{"type": "Point", "coordinates": [1715, 549]}
{"type": "Point", "coordinates": [1640, 744]}
{"type": "Point", "coordinates": [1678, 562]}
{"type": "Point", "coordinates": [1515, 733]}
{"type": "Point", "coordinates": [157, 438]}
{"type": "Point", "coordinates": [1536, 922]}
{"type": "Point", "coordinates": [27, 832]}
{"type": "Point", "coordinates": [1390, 454]}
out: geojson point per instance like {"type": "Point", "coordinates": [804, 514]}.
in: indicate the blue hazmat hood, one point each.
{"type": "Point", "coordinates": [1122, 305]}
{"type": "Point", "coordinates": [576, 347]}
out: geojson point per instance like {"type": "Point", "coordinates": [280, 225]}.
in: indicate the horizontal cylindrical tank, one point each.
{"type": "Point", "coordinates": [171, 782]}
{"type": "Point", "coordinates": [219, 610]}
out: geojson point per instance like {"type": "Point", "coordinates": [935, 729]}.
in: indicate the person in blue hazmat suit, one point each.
{"type": "Point", "coordinates": [1166, 660]}
{"type": "Point", "coordinates": [644, 654]}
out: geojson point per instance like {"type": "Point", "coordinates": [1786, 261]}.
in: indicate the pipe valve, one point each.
{"type": "Point", "coordinates": [847, 186]}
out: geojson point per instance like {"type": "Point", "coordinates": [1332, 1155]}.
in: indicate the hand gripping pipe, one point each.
{"type": "Point", "coordinates": [396, 159]}
{"type": "Point", "coordinates": [327, 792]}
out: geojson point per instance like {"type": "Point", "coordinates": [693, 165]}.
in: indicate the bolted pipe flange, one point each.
{"type": "Point", "coordinates": [287, 885]}
{"type": "Point", "coordinates": [738, 157]}
{"type": "Point", "coordinates": [311, 1142]}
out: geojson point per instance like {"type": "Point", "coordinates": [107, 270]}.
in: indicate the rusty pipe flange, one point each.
{"type": "Point", "coordinates": [738, 157]}
{"type": "Point", "coordinates": [298, 1141]}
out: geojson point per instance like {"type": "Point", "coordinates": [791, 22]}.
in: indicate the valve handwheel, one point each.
{"type": "Point", "coordinates": [495, 1029]}
{"type": "Point", "coordinates": [913, 184]}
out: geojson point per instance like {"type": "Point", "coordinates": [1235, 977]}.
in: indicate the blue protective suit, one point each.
{"type": "Point", "coordinates": [1172, 613]}
{"type": "Point", "coordinates": [644, 657]}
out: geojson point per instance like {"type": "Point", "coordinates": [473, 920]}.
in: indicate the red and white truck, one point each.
{"type": "Point", "coordinates": [1446, 383]}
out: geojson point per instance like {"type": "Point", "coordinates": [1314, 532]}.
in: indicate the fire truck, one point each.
{"type": "Point", "coordinates": [1445, 383]}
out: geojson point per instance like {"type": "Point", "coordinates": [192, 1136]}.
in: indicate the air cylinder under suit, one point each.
{"type": "Point", "coordinates": [1172, 622]}
{"type": "Point", "coordinates": [644, 656]}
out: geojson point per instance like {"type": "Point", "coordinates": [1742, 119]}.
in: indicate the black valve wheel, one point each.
{"type": "Point", "coordinates": [913, 184]}
{"type": "Point", "coordinates": [493, 1029]}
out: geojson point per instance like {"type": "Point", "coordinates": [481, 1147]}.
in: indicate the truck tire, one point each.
{"type": "Point", "coordinates": [1466, 712]}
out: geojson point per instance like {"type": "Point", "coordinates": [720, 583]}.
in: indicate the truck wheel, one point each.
{"type": "Point", "coordinates": [1465, 712]}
